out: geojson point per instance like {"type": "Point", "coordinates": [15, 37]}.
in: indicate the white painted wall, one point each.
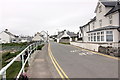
{"type": "Point", "coordinates": [37, 37]}
{"type": "Point", "coordinates": [90, 46]}
{"type": "Point", "coordinates": [5, 38]}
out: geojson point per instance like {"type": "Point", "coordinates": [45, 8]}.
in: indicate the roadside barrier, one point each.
{"type": "Point", "coordinates": [25, 57]}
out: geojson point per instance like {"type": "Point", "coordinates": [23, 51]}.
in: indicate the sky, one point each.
{"type": "Point", "coordinates": [26, 17]}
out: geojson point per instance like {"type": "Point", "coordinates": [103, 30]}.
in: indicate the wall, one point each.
{"type": "Point", "coordinates": [89, 46]}
{"type": "Point", "coordinates": [5, 38]}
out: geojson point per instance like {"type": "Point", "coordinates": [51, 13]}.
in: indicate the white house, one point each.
{"type": "Point", "coordinates": [7, 37]}
{"type": "Point", "coordinates": [66, 36]}
{"type": "Point", "coordinates": [37, 37]}
{"type": "Point", "coordinates": [24, 39]}
{"type": "Point", "coordinates": [103, 28]}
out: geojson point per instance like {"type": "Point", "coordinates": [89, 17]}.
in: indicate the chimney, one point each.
{"type": "Point", "coordinates": [6, 30]}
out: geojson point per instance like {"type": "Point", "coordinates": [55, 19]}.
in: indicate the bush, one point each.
{"type": "Point", "coordinates": [40, 47]}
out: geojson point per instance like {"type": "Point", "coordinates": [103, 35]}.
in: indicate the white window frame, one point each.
{"type": "Point", "coordinates": [109, 34]}
{"type": "Point", "coordinates": [102, 35]}
{"type": "Point", "coordinates": [98, 35]}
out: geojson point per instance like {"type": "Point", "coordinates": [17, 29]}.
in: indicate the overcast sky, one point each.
{"type": "Point", "coordinates": [27, 17]}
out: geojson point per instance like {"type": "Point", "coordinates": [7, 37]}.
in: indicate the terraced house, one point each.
{"type": "Point", "coordinates": [104, 28]}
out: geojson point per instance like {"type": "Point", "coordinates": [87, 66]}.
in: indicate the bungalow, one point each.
{"type": "Point", "coordinates": [104, 28]}
{"type": "Point", "coordinates": [66, 36]}
{"type": "Point", "coordinates": [37, 37]}
{"type": "Point", "coordinates": [7, 37]}
{"type": "Point", "coordinates": [24, 39]}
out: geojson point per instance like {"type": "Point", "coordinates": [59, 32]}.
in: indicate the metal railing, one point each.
{"type": "Point", "coordinates": [27, 51]}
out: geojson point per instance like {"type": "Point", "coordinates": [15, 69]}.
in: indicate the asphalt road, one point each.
{"type": "Point", "coordinates": [78, 63]}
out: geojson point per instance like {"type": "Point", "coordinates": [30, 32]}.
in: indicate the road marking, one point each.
{"type": "Point", "coordinates": [98, 53]}
{"type": "Point", "coordinates": [57, 66]}
{"type": "Point", "coordinates": [81, 52]}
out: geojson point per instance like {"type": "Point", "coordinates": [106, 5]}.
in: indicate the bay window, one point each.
{"type": "Point", "coordinates": [109, 35]}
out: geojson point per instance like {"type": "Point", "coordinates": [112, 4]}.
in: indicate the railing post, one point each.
{"type": "Point", "coordinates": [4, 76]}
{"type": "Point", "coordinates": [29, 57]}
{"type": "Point", "coordinates": [23, 62]}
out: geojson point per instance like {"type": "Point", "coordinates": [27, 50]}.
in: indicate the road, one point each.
{"type": "Point", "coordinates": [78, 63]}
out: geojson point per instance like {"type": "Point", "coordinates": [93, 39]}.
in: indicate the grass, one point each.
{"type": "Point", "coordinates": [9, 55]}
{"type": "Point", "coordinates": [14, 46]}
{"type": "Point", "coordinates": [14, 69]}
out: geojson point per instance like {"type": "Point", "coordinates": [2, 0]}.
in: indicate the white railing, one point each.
{"type": "Point", "coordinates": [29, 50]}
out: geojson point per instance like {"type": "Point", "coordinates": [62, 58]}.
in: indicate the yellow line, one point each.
{"type": "Point", "coordinates": [54, 63]}
{"type": "Point", "coordinates": [99, 53]}
{"type": "Point", "coordinates": [58, 65]}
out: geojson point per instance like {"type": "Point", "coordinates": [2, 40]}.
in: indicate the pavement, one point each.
{"type": "Point", "coordinates": [39, 67]}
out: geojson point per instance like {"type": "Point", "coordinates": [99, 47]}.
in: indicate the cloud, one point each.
{"type": "Point", "coordinates": [29, 16]}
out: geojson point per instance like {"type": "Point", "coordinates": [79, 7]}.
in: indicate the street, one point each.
{"type": "Point", "coordinates": [73, 62]}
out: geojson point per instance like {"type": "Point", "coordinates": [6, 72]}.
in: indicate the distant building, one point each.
{"type": "Point", "coordinates": [24, 39]}
{"type": "Point", "coordinates": [7, 37]}
{"type": "Point", "coordinates": [66, 36]}
{"type": "Point", "coordinates": [37, 37]}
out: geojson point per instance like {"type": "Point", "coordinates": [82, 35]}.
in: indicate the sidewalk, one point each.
{"type": "Point", "coordinates": [39, 68]}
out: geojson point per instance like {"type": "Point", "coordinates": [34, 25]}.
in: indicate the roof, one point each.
{"type": "Point", "coordinates": [114, 9]}
{"type": "Point", "coordinates": [71, 34]}
{"type": "Point", "coordinates": [89, 22]}
{"type": "Point", "coordinates": [109, 3]}
{"type": "Point", "coordinates": [104, 28]}
{"type": "Point", "coordinates": [10, 33]}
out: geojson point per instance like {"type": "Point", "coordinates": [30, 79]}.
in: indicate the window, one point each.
{"type": "Point", "coordinates": [94, 36]}
{"type": "Point", "coordinates": [100, 22]}
{"type": "Point", "coordinates": [98, 36]}
{"type": "Point", "coordinates": [100, 9]}
{"type": "Point", "coordinates": [89, 27]}
{"type": "Point", "coordinates": [88, 37]}
{"type": "Point", "coordinates": [109, 36]}
{"type": "Point", "coordinates": [110, 19]}
{"type": "Point", "coordinates": [102, 36]}
{"type": "Point", "coordinates": [93, 25]}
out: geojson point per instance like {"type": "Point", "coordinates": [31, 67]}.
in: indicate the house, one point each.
{"type": "Point", "coordinates": [24, 39]}
{"type": "Point", "coordinates": [7, 37]}
{"type": "Point", "coordinates": [37, 37]}
{"type": "Point", "coordinates": [104, 28]}
{"type": "Point", "coordinates": [66, 36]}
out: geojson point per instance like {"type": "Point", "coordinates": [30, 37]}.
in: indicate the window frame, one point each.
{"type": "Point", "coordinates": [109, 33]}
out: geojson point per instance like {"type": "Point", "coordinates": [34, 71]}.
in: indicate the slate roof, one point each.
{"type": "Point", "coordinates": [114, 4]}
{"type": "Point", "coordinates": [71, 34]}
{"type": "Point", "coordinates": [89, 22]}
{"type": "Point", "coordinates": [10, 33]}
{"type": "Point", "coordinates": [109, 3]}
{"type": "Point", "coordinates": [104, 28]}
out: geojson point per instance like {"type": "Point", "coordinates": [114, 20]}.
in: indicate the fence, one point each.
{"type": "Point", "coordinates": [27, 51]}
